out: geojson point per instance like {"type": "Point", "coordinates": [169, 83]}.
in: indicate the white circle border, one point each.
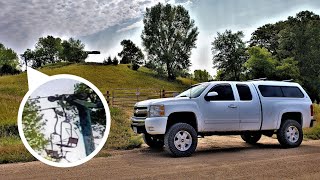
{"type": "Point", "coordinates": [103, 140]}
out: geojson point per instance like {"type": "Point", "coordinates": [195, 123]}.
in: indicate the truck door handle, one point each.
{"type": "Point", "coordinates": [232, 106]}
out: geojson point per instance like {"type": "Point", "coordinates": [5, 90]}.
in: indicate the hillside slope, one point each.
{"type": "Point", "coordinates": [13, 88]}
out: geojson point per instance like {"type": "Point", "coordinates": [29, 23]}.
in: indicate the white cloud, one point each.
{"type": "Point", "coordinates": [132, 26]}
{"type": "Point", "coordinates": [22, 22]}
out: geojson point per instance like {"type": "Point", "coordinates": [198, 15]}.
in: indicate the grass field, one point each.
{"type": "Point", "coordinates": [13, 88]}
{"type": "Point", "coordinates": [314, 133]}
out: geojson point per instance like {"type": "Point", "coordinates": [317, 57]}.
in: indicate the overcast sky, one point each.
{"type": "Point", "coordinates": [102, 24]}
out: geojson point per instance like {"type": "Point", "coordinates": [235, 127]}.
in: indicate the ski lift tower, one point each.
{"type": "Point", "coordinates": [93, 52]}
{"type": "Point", "coordinates": [84, 108]}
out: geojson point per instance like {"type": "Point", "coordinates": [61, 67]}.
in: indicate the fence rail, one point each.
{"type": "Point", "coordinates": [125, 97]}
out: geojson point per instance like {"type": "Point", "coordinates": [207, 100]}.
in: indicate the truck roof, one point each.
{"type": "Point", "coordinates": [261, 82]}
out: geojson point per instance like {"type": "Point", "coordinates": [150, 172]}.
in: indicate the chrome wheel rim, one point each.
{"type": "Point", "coordinates": [182, 140]}
{"type": "Point", "coordinates": [292, 134]}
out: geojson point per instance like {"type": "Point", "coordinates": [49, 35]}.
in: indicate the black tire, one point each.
{"type": "Point", "coordinates": [290, 139]}
{"type": "Point", "coordinates": [181, 133]}
{"type": "Point", "coordinates": [152, 141]}
{"type": "Point", "coordinates": [251, 138]}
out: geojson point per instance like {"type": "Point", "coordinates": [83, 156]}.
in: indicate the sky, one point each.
{"type": "Point", "coordinates": [52, 88]}
{"type": "Point", "coordinates": [103, 24]}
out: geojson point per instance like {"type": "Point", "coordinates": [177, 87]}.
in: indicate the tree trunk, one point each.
{"type": "Point", "coordinates": [170, 73]}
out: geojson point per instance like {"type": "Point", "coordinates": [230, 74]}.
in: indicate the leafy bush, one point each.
{"type": "Point", "coordinates": [135, 67]}
{"type": "Point", "coordinates": [115, 61]}
{"type": "Point", "coordinates": [7, 69]}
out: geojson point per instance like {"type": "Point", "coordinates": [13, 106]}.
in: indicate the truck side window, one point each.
{"type": "Point", "coordinates": [224, 91]}
{"type": "Point", "coordinates": [293, 92]}
{"type": "Point", "coordinates": [270, 91]}
{"type": "Point", "coordinates": [244, 92]}
{"type": "Point", "coordinates": [281, 91]}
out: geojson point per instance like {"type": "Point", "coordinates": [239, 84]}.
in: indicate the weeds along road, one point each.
{"type": "Point", "coordinates": [215, 158]}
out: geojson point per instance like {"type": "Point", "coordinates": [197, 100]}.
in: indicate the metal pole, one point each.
{"type": "Point", "coordinates": [85, 124]}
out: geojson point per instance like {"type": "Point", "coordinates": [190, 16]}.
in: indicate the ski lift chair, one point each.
{"type": "Point", "coordinates": [56, 155]}
{"type": "Point", "coordinates": [72, 143]}
{"type": "Point", "coordinates": [53, 154]}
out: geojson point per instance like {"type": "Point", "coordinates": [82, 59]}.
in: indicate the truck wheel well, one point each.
{"type": "Point", "coordinates": [182, 117]}
{"type": "Point", "coordinates": [297, 116]}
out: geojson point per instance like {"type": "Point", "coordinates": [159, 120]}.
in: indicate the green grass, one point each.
{"type": "Point", "coordinates": [314, 133]}
{"type": "Point", "coordinates": [12, 150]}
{"type": "Point", "coordinates": [121, 135]}
{"type": "Point", "coordinates": [13, 88]}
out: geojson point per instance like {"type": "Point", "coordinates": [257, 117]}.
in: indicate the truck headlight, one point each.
{"type": "Point", "coordinates": [156, 111]}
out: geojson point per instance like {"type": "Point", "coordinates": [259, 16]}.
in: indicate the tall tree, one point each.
{"type": "Point", "coordinates": [288, 69]}
{"type": "Point", "coordinates": [201, 75]}
{"type": "Point", "coordinates": [229, 53]}
{"type": "Point", "coordinates": [8, 57]}
{"type": "Point", "coordinates": [168, 37]}
{"type": "Point", "coordinates": [131, 54]}
{"type": "Point", "coordinates": [48, 48]}
{"type": "Point", "coordinates": [73, 51]}
{"type": "Point", "coordinates": [300, 39]}
{"type": "Point", "coordinates": [260, 64]}
{"type": "Point", "coordinates": [267, 36]}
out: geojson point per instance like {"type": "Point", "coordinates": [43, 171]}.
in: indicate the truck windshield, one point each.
{"type": "Point", "coordinates": [194, 91]}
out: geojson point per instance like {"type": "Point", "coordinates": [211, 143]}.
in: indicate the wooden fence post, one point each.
{"type": "Point", "coordinates": [112, 97]}
{"type": "Point", "coordinates": [138, 94]}
{"type": "Point", "coordinates": [108, 98]}
{"type": "Point", "coordinates": [163, 93]}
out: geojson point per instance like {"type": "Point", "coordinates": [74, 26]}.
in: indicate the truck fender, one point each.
{"type": "Point", "coordinates": [287, 110]}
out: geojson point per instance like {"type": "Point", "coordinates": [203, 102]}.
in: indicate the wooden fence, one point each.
{"type": "Point", "coordinates": [123, 97]}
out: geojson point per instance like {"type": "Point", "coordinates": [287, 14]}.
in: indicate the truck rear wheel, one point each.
{"type": "Point", "coordinates": [251, 138]}
{"type": "Point", "coordinates": [152, 141]}
{"type": "Point", "coordinates": [290, 134]}
{"type": "Point", "coordinates": [181, 140]}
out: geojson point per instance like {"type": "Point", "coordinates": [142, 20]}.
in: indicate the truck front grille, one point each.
{"type": "Point", "coordinates": [140, 112]}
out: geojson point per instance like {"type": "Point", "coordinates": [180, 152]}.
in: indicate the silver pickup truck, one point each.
{"type": "Point", "coordinates": [250, 109]}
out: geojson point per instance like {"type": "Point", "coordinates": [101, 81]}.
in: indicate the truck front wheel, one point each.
{"type": "Point", "coordinates": [181, 140]}
{"type": "Point", "coordinates": [153, 141]}
{"type": "Point", "coordinates": [251, 138]}
{"type": "Point", "coordinates": [290, 134]}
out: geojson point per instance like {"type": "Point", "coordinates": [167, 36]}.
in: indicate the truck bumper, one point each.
{"type": "Point", "coordinates": [155, 125]}
{"type": "Point", "coordinates": [137, 125]}
{"type": "Point", "coordinates": [313, 123]}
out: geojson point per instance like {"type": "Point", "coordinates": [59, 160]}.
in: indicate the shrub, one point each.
{"type": "Point", "coordinates": [135, 67]}
{"type": "Point", "coordinates": [115, 61]}
{"type": "Point", "coordinates": [7, 69]}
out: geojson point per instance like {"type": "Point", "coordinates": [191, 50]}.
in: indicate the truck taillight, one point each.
{"type": "Point", "coordinates": [311, 109]}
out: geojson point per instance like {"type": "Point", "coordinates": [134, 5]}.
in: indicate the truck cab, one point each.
{"type": "Point", "coordinates": [249, 109]}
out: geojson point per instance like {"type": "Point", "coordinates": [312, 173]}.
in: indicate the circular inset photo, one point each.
{"type": "Point", "coordinates": [65, 121]}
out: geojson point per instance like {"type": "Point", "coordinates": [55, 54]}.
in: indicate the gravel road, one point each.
{"type": "Point", "coordinates": [217, 157]}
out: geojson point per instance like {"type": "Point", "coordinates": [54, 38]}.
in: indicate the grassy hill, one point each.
{"type": "Point", "coordinates": [13, 88]}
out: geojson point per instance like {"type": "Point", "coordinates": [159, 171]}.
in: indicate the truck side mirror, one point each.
{"type": "Point", "coordinates": [210, 96]}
